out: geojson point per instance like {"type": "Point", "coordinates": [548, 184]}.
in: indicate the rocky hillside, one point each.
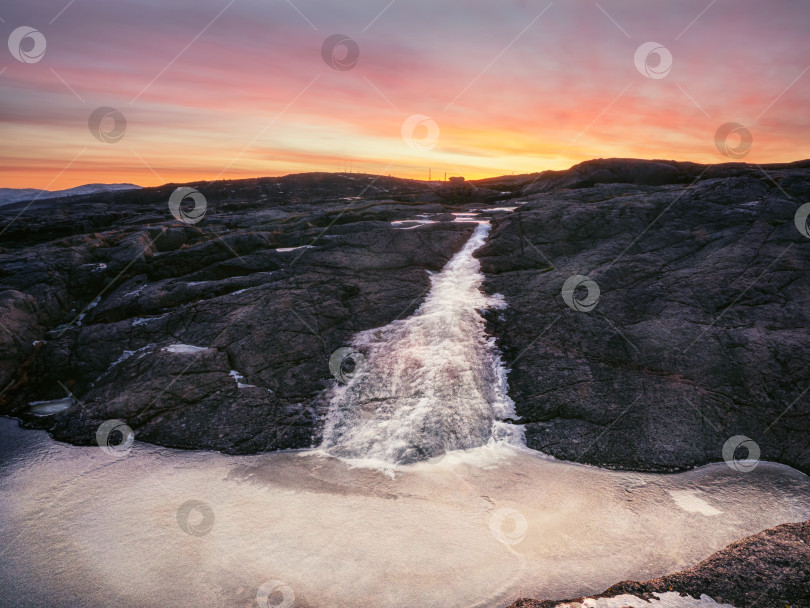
{"type": "Point", "coordinates": [14, 195]}
{"type": "Point", "coordinates": [217, 333]}
{"type": "Point", "coordinates": [698, 325]}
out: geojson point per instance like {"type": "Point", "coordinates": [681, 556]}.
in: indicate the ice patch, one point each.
{"type": "Point", "coordinates": [336, 534]}
{"type": "Point", "coordinates": [49, 408]}
{"type": "Point", "coordinates": [468, 217]}
{"type": "Point", "coordinates": [494, 209]}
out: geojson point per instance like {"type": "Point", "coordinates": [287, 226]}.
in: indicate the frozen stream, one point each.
{"type": "Point", "coordinates": [430, 383]}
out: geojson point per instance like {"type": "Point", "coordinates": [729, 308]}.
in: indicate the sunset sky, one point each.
{"type": "Point", "coordinates": [214, 89]}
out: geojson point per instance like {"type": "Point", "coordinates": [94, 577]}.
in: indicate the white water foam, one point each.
{"type": "Point", "coordinates": [431, 383]}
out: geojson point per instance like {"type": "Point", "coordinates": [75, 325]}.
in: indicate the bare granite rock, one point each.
{"type": "Point", "coordinates": [700, 330]}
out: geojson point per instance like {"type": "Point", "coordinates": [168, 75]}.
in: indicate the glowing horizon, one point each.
{"type": "Point", "coordinates": [230, 90]}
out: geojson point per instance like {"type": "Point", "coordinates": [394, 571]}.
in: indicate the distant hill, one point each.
{"type": "Point", "coordinates": [14, 195]}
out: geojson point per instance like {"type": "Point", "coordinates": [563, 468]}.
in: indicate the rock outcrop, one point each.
{"type": "Point", "coordinates": [697, 331]}
{"type": "Point", "coordinates": [767, 570]}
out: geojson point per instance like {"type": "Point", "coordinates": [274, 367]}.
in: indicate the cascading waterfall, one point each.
{"type": "Point", "coordinates": [431, 383]}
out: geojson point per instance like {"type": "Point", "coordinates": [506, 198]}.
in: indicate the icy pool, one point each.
{"type": "Point", "coordinates": [160, 527]}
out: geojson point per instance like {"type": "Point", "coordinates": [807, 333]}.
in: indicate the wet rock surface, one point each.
{"type": "Point", "coordinates": [767, 570]}
{"type": "Point", "coordinates": [700, 330]}
{"type": "Point", "coordinates": [96, 290]}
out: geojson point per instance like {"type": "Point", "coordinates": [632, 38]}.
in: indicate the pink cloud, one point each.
{"type": "Point", "coordinates": [545, 96]}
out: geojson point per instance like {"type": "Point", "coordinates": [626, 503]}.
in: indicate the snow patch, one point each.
{"type": "Point", "coordinates": [90, 307]}
{"type": "Point", "coordinates": [670, 599]}
{"type": "Point", "coordinates": [138, 290]}
{"type": "Point", "coordinates": [124, 356]}
{"type": "Point", "coordinates": [288, 249]}
{"type": "Point", "coordinates": [411, 224]}
{"type": "Point", "coordinates": [96, 267]}
{"type": "Point", "coordinates": [141, 320]}
{"type": "Point", "coordinates": [183, 349]}
{"type": "Point", "coordinates": [238, 378]}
